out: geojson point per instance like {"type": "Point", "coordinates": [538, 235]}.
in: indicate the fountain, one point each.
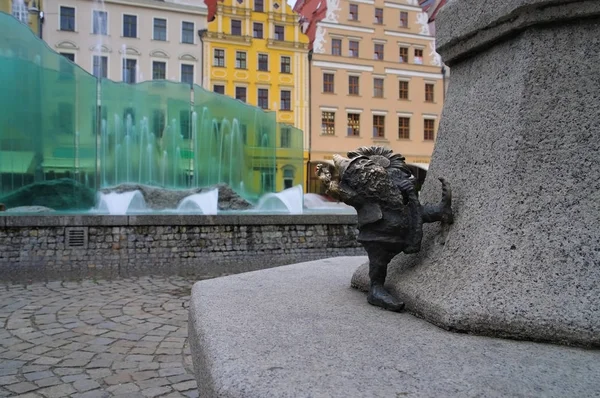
{"type": "Point", "coordinates": [203, 203]}
{"type": "Point", "coordinates": [288, 201]}
{"type": "Point", "coordinates": [317, 203]}
{"type": "Point", "coordinates": [121, 203]}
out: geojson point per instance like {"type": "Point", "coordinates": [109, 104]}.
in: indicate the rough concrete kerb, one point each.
{"type": "Point", "coordinates": [465, 27]}
{"type": "Point", "coordinates": [168, 219]}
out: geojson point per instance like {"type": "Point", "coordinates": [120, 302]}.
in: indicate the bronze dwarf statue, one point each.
{"type": "Point", "coordinates": [380, 186]}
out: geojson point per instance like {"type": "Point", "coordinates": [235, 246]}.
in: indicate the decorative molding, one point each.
{"type": "Point", "coordinates": [430, 116]}
{"type": "Point", "coordinates": [407, 35]}
{"type": "Point", "coordinates": [240, 75]}
{"type": "Point", "coordinates": [346, 27]}
{"type": "Point", "coordinates": [159, 54]}
{"type": "Point", "coordinates": [339, 65]}
{"type": "Point", "coordinates": [66, 44]}
{"type": "Point", "coordinates": [402, 6]}
{"type": "Point", "coordinates": [188, 57]}
{"type": "Point", "coordinates": [354, 110]}
{"type": "Point", "coordinates": [130, 51]}
{"type": "Point", "coordinates": [100, 49]}
{"type": "Point", "coordinates": [219, 73]}
{"type": "Point", "coordinates": [411, 73]}
{"type": "Point", "coordinates": [283, 79]}
{"type": "Point", "coordinates": [404, 114]}
{"type": "Point", "coordinates": [329, 108]}
{"type": "Point", "coordinates": [379, 112]}
{"type": "Point", "coordinates": [263, 76]}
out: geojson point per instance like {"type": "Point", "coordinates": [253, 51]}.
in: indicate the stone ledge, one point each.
{"type": "Point", "coordinates": [174, 219]}
{"type": "Point", "coordinates": [465, 27]}
{"type": "Point", "coordinates": [301, 331]}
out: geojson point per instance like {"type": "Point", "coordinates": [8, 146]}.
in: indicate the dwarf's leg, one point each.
{"type": "Point", "coordinates": [441, 211]}
{"type": "Point", "coordinates": [379, 258]}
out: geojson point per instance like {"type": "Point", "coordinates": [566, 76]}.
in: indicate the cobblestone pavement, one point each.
{"type": "Point", "coordinates": [123, 338]}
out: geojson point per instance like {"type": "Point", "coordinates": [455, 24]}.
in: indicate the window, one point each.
{"type": "Point", "coordinates": [403, 54]}
{"type": "Point", "coordinates": [187, 74]}
{"type": "Point", "coordinates": [99, 22]}
{"type": "Point", "coordinates": [129, 26]}
{"type": "Point", "coordinates": [403, 128]}
{"type": "Point", "coordinates": [236, 27]}
{"type": "Point", "coordinates": [418, 56]}
{"type": "Point", "coordinates": [353, 85]}
{"type": "Point", "coordinates": [257, 28]}
{"type": "Point", "coordinates": [286, 65]}
{"type": "Point", "coordinates": [100, 66]}
{"type": "Point", "coordinates": [263, 98]}
{"type": "Point", "coordinates": [66, 68]}
{"type": "Point", "coordinates": [378, 52]}
{"type": "Point", "coordinates": [279, 33]}
{"type": "Point", "coordinates": [428, 126]}
{"type": "Point", "coordinates": [259, 5]}
{"type": "Point", "coordinates": [403, 19]}
{"type": "Point", "coordinates": [65, 117]}
{"type": "Point", "coordinates": [187, 32]}
{"type": "Point", "coordinates": [67, 19]}
{"type": "Point", "coordinates": [160, 29]}
{"type": "Point", "coordinates": [286, 139]}
{"type": "Point", "coordinates": [158, 122]}
{"type": "Point", "coordinates": [429, 92]}
{"type": "Point", "coordinates": [288, 174]}
{"type": "Point", "coordinates": [353, 12]}
{"type": "Point", "coordinates": [219, 88]}
{"type": "Point", "coordinates": [267, 180]}
{"type": "Point", "coordinates": [19, 11]}
{"type": "Point", "coordinates": [378, 126]}
{"type": "Point", "coordinates": [327, 123]}
{"type": "Point", "coordinates": [219, 57]}
{"type": "Point", "coordinates": [378, 87]}
{"type": "Point", "coordinates": [354, 124]}
{"type": "Point", "coordinates": [328, 85]}
{"type": "Point", "coordinates": [263, 62]}
{"type": "Point", "coordinates": [129, 70]}
{"type": "Point", "coordinates": [286, 100]}
{"type": "Point", "coordinates": [379, 15]}
{"type": "Point", "coordinates": [240, 93]}
{"type": "Point", "coordinates": [184, 124]}
{"type": "Point", "coordinates": [159, 70]}
{"type": "Point", "coordinates": [336, 47]}
{"type": "Point", "coordinates": [240, 59]}
{"type": "Point", "coordinates": [353, 49]}
{"type": "Point", "coordinates": [403, 89]}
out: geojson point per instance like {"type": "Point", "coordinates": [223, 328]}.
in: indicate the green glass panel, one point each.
{"type": "Point", "coordinates": [67, 134]}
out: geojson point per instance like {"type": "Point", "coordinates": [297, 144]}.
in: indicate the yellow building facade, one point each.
{"type": "Point", "coordinates": [29, 12]}
{"type": "Point", "coordinates": [255, 52]}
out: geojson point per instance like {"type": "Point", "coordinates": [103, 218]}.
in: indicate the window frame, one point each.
{"type": "Point", "coordinates": [353, 86]}
{"type": "Point", "coordinates": [379, 128]}
{"type": "Point", "coordinates": [329, 84]}
{"type": "Point", "coordinates": [259, 61]}
{"type": "Point", "coordinates": [403, 128]}
{"type": "Point", "coordinates": [403, 20]}
{"type": "Point", "coordinates": [102, 68]}
{"type": "Point", "coordinates": [241, 62]}
{"type": "Point", "coordinates": [281, 32]}
{"type": "Point", "coordinates": [154, 31]}
{"type": "Point", "coordinates": [403, 87]}
{"type": "Point", "coordinates": [350, 49]}
{"type": "Point", "coordinates": [353, 129]}
{"type": "Point", "coordinates": [60, 19]}
{"type": "Point", "coordinates": [378, 51]}
{"type": "Point", "coordinates": [231, 27]}
{"type": "Point", "coordinates": [254, 30]}
{"type": "Point", "coordinates": [245, 91]}
{"type": "Point", "coordinates": [260, 98]}
{"type": "Point", "coordinates": [192, 33]}
{"type": "Point", "coordinates": [378, 19]}
{"type": "Point", "coordinates": [334, 47]}
{"type": "Point", "coordinates": [100, 33]}
{"type": "Point", "coordinates": [353, 12]}
{"type": "Point", "coordinates": [287, 64]}
{"type": "Point", "coordinates": [220, 57]}
{"type": "Point", "coordinates": [181, 67]}
{"type": "Point", "coordinates": [285, 104]}
{"type": "Point", "coordinates": [427, 130]}
{"type": "Point", "coordinates": [380, 88]}
{"type": "Point", "coordinates": [430, 93]}
{"type": "Point", "coordinates": [327, 123]}
{"type": "Point", "coordinates": [153, 69]}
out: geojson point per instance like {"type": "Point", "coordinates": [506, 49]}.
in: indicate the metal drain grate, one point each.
{"type": "Point", "coordinates": [76, 238]}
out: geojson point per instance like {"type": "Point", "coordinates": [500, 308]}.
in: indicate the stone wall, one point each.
{"type": "Point", "coordinates": [84, 247]}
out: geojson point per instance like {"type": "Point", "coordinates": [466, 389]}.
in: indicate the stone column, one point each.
{"type": "Point", "coordinates": [519, 141]}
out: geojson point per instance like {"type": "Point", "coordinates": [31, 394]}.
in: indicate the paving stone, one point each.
{"type": "Point", "coordinates": [119, 378]}
{"type": "Point", "coordinates": [92, 394]}
{"type": "Point", "coordinates": [46, 361]}
{"type": "Point", "coordinates": [174, 394]}
{"type": "Point", "coordinates": [8, 380]}
{"type": "Point", "coordinates": [157, 382]}
{"type": "Point", "coordinates": [139, 358]}
{"type": "Point", "coordinates": [72, 378]}
{"type": "Point", "coordinates": [171, 371]}
{"type": "Point", "coordinates": [185, 386]}
{"type": "Point", "coordinates": [59, 391]}
{"type": "Point", "coordinates": [28, 395]}
{"type": "Point", "coordinates": [123, 388]}
{"type": "Point", "coordinates": [66, 371]}
{"type": "Point", "coordinates": [99, 363]}
{"type": "Point", "coordinates": [149, 366]}
{"type": "Point", "coordinates": [38, 375]}
{"type": "Point", "coordinates": [155, 391]}
{"type": "Point", "coordinates": [180, 378]}
{"type": "Point", "coordinates": [22, 387]}
{"type": "Point", "coordinates": [191, 394]}
{"type": "Point", "coordinates": [50, 381]}
{"type": "Point", "coordinates": [74, 363]}
{"type": "Point", "coordinates": [85, 385]}
{"type": "Point", "coordinates": [34, 368]}
{"type": "Point", "coordinates": [99, 373]}
{"type": "Point", "coordinates": [145, 375]}
{"type": "Point", "coordinates": [101, 341]}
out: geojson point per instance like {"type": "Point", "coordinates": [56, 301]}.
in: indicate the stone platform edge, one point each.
{"type": "Point", "coordinates": [85, 220]}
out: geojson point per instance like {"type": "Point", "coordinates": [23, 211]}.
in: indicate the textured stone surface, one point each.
{"type": "Point", "coordinates": [34, 247]}
{"type": "Point", "coordinates": [301, 331]}
{"type": "Point", "coordinates": [519, 144]}
{"type": "Point", "coordinates": [54, 340]}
